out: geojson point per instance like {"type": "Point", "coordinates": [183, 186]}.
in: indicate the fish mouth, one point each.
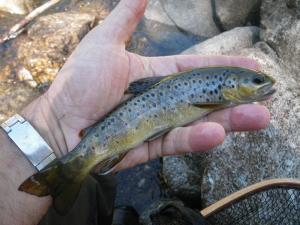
{"type": "Point", "coordinates": [265, 92]}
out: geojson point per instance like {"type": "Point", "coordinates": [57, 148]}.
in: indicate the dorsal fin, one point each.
{"type": "Point", "coordinates": [139, 86]}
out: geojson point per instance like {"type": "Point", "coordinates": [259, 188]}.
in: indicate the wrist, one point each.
{"type": "Point", "coordinates": [41, 116]}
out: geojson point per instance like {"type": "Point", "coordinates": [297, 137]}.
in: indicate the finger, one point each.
{"type": "Point", "coordinates": [158, 66]}
{"type": "Point", "coordinates": [241, 118]}
{"type": "Point", "coordinates": [122, 21]}
{"type": "Point", "coordinates": [200, 137]}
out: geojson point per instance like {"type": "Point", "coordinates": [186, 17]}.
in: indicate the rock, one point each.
{"type": "Point", "coordinates": [192, 16]}
{"type": "Point", "coordinates": [18, 6]}
{"type": "Point", "coordinates": [50, 41]}
{"type": "Point", "coordinates": [183, 176]}
{"type": "Point", "coordinates": [247, 158]}
{"type": "Point", "coordinates": [156, 12]}
{"type": "Point", "coordinates": [235, 39]}
{"type": "Point", "coordinates": [236, 13]}
{"type": "Point", "coordinates": [280, 21]}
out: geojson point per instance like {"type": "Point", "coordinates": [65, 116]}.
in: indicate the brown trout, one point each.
{"type": "Point", "coordinates": [158, 105]}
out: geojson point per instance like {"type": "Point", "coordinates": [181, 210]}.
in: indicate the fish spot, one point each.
{"type": "Point", "coordinates": [213, 83]}
{"type": "Point", "coordinates": [96, 135]}
{"type": "Point", "coordinates": [103, 127]}
{"type": "Point", "coordinates": [164, 107]}
{"type": "Point", "coordinates": [179, 85]}
{"type": "Point", "coordinates": [204, 91]}
{"type": "Point", "coordinates": [200, 81]}
{"type": "Point", "coordinates": [143, 99]}
{"type": "Point", "coordinates": [171, 97]}
{"type": "Point", "coordinates": [168, 86]}
{"type": "Point", "coordinates": [194, 81]}
{"type": "Point", "coordinates": [138, 100]}
{"type": "Point", "coordinates": [207, 77]}
{"type": "Point", "coordinates": [233, 86]}
{"type": "Point", "coordinates": [211, 92]}
{"type": "Point", "coordinates": [143, 105]}
{"type": "Point", "coordinates": [154, 104]}
{"type": "Point", "coordinates": [155, 115]}
{"type": "Point", "coordinates": [207, 84]}
{"type": "Point", "coordinates": [152, 94]}
{"type": "Point", "coordinates": [129, 110]}
{"type": "Point", "coordinates": [207, 100]}
{"type": "Point", "coordinates": [216, 91]}
{"type": "Point", "coordinates": [185, 83]}
{"type": "Point", "coordinates": [161, 94]}
{"type": "Point", "coordinates": [175, 86]}
{"type": "Point", "coordinates": [219, 86]}
{"type": "Point", "coordinates": [135, 103]}
{"type": "Point", "coordinates": [220, 78]}
{"type": "Point", "coordinates": [192, 95]}
{"type": "Point", "coordinates": [220, 98]}
{"type": "Point", "coordinates": [147, 95]}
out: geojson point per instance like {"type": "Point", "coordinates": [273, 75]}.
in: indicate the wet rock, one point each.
{"type": "Point", "coordinates": [293, 4]}
{"type": "Point", "coordinates": [236, 13]}
{"type": "Point", "coordinates": [18, 6]}
{"type": "Point", "coordinates": [50, 41]}
{"type": "Point", "coordinates": [13, 97]}
{"type": "Point", "coordinates": [281, 30]}
{"type": "Point", "coordinates": [153, 38]}
{"type": "Point", "coordinates": [192, 16]}
{"type": "Point", "coordinates": [235, 39]}
{"type": "Point", "coordinates": [247, 158]}
{"type": "Point", "coordinates": [183, 176]}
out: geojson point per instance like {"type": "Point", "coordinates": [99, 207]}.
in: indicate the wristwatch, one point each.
{"type": "Point", "coordinates": [29, 141]}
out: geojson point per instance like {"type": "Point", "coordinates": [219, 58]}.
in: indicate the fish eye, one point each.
{"type": "Point", "coordinates": [258, 80]}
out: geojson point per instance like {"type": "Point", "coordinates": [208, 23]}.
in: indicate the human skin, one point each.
{"type": "Point", "coordinates": [92, 83]}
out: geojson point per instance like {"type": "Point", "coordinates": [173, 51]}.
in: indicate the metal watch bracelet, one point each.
{"type": "Point", "coordinates": [29, 141]}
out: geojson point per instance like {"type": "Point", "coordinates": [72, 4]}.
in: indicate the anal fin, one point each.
{"type": "Point", "coordinates": [108, 165]}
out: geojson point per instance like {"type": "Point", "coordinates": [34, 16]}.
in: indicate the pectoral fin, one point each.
{"type": "Point", "coordinates": [210, 105]}
{"type": "Point", "coordinates": [142, 85]}
{"type": "Point", "coordinates": [159, 134]}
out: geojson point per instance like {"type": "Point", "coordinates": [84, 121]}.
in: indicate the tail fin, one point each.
{"type": "Point", "coordinates": [55, 181]}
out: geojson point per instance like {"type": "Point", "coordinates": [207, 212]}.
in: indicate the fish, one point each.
{"type": "Point", "coordinates": [157, 105]}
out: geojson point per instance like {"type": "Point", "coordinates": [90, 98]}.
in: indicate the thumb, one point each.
{"type": "Point", "coordinates": [122, 21]}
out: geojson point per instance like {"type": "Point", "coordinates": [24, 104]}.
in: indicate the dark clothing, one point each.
{"type": "Point", "coordinates": [94, 205]}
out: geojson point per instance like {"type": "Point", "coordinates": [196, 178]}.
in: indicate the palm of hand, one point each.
{"type": "Point", "coordinates": [93, 81]}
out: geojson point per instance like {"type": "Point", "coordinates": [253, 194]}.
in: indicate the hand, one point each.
{"type": "Point", "coordinates": [93, 80]}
